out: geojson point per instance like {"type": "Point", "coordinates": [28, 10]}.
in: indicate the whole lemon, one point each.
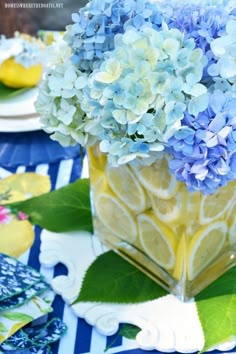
{"type": "Point", "coordinates": [15, 75]}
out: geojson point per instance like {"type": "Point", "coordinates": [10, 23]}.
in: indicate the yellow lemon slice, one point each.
{"type": "Point", "coordinates": [231, 218]}
{"type": "Point", "coordinates": [16, 237]}
{"type": "Point", "coordinates": [170, 210]}
{"type": "Point", "coordinates": [205, 246]}
{"type": "Point", "coordinates": [15, 75]}
{"type": "Point", "coordinates": [181, 256]}
{"type": "Point", "coordinates": [126, 186]}
{"type": "Point", "coordinates": [231, 213]}
{"type": "Point", "coordinates": [96, 158]}
{"type": "Point", "coordinates": [22, 186]}
{"type": "Point", "coordinates": [97, 163]}
{"type": "Point", "coordinates": [232, 233]}
{"type": "Point", "coordinates": [193, 201]}
{"type": "Point", "coordinates": [157, 240]}
{"type": "Point", "coordinates": [115, 216]}
{"type": "Point", "coordinates": [157, 179]}
{"type": "Point", "coordinates": [215, 205]}
{"type": "Point", "coordinates": [192, 227]}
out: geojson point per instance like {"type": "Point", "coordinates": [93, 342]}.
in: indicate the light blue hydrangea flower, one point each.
{"type": "Point", "coordinates": [59, 100]}
{"type": "Point", "coordinates": [138, 96]}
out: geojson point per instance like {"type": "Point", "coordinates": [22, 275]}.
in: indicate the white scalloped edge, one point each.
{"type": "Point", "coordinates": [167, 324]}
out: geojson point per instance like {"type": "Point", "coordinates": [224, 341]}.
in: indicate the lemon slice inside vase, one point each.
{"type": "Point", "coordinates": [157, 179]}
{"type": "Point", "coordinates": [125, 185]}
{"type": "Point", "coordinates": [157, 240]}
{"type": "Point", "coordinates": [115, 216]}
{"type": "Point", "coordinates": [214, 206]}
{"type": "Point", "coordinates": [170, 210]}
{"type": "Point", "coordinates": [205, 245]}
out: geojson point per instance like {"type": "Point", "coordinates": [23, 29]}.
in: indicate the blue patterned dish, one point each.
{"type": "Point", "coordinates": [32, 148]}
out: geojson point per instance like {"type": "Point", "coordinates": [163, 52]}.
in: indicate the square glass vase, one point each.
{"type": "Point", "coordinates": [182, 240]}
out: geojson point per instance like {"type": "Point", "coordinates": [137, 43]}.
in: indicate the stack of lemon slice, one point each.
{"type": "Point", "coordinates": [145, 206]}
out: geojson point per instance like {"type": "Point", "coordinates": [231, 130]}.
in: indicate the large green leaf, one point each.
{"type": "Point", "coordinates": [8, 92]}
{"type": "Point", "coordinates": [110, 278]}
{"type": "Point", "coordinates": [217, 310]}
{"type": "Point", "coordinates": [65, 209]}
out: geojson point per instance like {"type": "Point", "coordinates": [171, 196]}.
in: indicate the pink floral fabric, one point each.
{"type": "Point", "coordinates": [5, 215]}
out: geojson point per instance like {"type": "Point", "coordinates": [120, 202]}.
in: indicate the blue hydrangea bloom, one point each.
{"type": "Point", "coordinates": [96, 24]}
{"type": "Point", "coordinates": [204, 149]}
{"type": "Point", "coordinates": [200, 21]}
{"type": "Point", "coordinates": [145, 77]}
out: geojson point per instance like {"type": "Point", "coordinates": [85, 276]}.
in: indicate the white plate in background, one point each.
{"type": "Point", "coordinates": [19, 124]}
{"type": "Point", "coordinates": [20, 105]}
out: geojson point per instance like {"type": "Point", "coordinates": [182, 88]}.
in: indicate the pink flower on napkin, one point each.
{"type": "Point", "coordinates": [5, 216]}
{"type": "Point", "coordinates": [22, 216]}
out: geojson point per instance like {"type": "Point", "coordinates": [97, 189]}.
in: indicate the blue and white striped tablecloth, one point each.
{"type": "Point", "coordinates": [81, 338]}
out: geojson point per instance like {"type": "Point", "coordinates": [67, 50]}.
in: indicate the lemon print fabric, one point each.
{"type": "Point", "coordinates": [151, 218]}
{"type": "Point", "coordinates": [23, 186]}
{"type": "Point", "coordinates": [16, 237]}
{"type": "Point", "coordinates": [16, 232]}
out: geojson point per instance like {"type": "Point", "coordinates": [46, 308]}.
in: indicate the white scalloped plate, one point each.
{"type": "Point", "coordinates": [167, 324]}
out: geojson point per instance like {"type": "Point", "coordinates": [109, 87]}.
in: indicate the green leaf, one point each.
{"type": "Point", "coordinates": [110, 278]}
{"type": "Point", "coordinates": [216, 307]}
{"type": "Point", "coordinates": [8, 92]}
{"type": "Point", "coordinates": [129, 331]}
{"type": "Point", "coordinates": [65, 209]}
{"type": "Point", "coordinates": [17, 316]}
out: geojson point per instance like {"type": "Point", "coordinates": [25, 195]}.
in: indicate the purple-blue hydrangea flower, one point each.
{"type": "Point", "coordinates": [96, 24]}
{"type": "Point", "coordinates": [204, 149]}
{"type": "Point", "coordinates": [198, 21]}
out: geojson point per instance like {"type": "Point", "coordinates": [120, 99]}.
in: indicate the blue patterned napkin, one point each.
{"type": "Point", "coordinates": [24, 297]}
{"type": "Point", "coordinates": [15, 277]}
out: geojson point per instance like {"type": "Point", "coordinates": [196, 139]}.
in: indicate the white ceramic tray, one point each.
{"type": "Point", "coordinates": [167, 324]}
